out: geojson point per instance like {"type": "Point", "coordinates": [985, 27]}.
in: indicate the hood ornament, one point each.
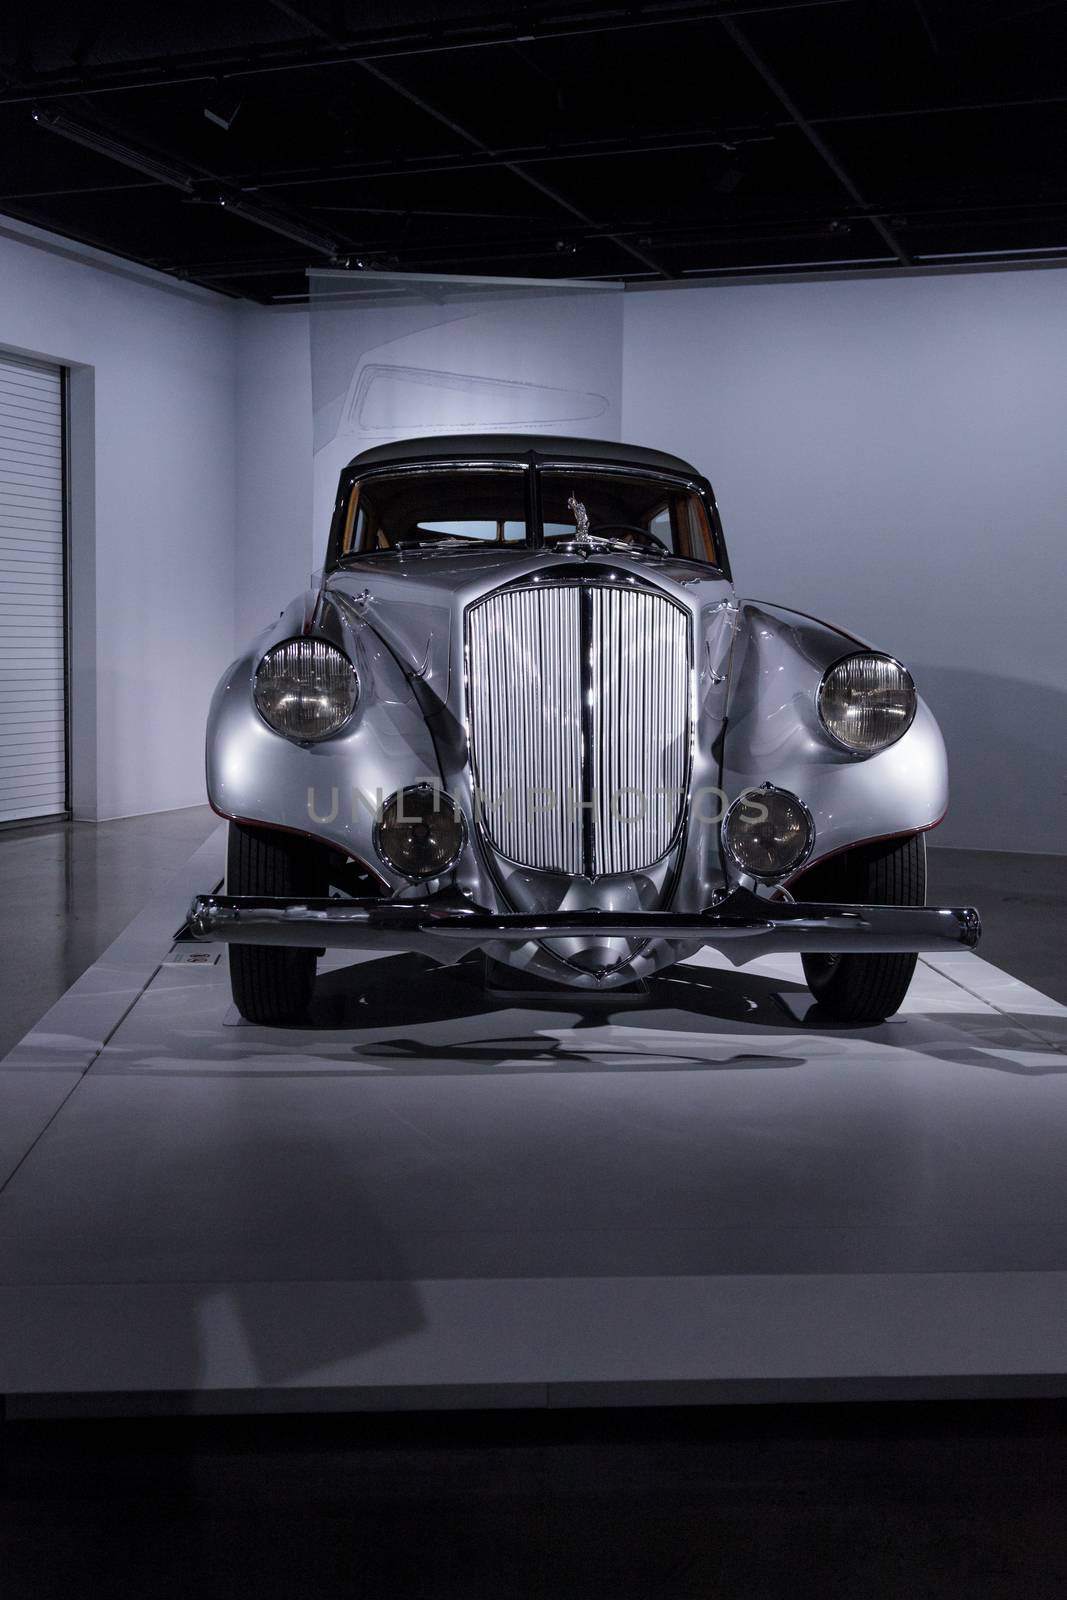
{"type": "Point", "coordinates": [581, 521]}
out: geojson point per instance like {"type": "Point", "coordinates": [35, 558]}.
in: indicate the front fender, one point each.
{"type": "Point", "coordinates": [328, 790]}
{"type": "Point", "coordinates": [773, 735]}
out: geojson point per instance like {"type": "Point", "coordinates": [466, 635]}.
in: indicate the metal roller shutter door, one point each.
{"type": "Point", "coordinates": [33, 711]}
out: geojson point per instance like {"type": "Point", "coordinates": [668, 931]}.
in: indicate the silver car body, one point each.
{"type": "Point", "coordinates": [409, 623]}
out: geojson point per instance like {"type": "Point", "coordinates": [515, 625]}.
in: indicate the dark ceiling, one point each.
{"type": "Point", "coordinates": [238, 144]}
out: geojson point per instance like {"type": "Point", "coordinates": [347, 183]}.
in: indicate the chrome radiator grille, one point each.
{"type": "Point", "coordinates": [525, 717]}
{"type": "Point", "coordinates": [578, 703]}
{"type": "Point", "coordinates": [639, 732]}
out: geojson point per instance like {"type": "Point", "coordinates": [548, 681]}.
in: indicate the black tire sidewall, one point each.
{"type": "Point", "coordinates": [866, 989]}
{"type": "Point", "coordinates": [272, 986]}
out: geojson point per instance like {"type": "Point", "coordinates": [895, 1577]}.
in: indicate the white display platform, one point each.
{"type": "Point", "coordinates": [428, 1199]}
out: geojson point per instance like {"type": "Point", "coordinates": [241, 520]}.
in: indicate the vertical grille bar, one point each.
{"type": "Point", "coordinates": [561, 673]}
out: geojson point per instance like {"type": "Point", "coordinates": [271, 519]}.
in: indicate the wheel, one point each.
{"type": "Point", "coordinates": [272, 986]}
{"type": "Point", "coordinates": [865, 989]}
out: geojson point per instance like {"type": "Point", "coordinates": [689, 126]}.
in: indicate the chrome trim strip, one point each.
{"type": "Point", "coordinates": [588, 679]}
{"type": "Point", "coordinates": [619, 469]}
{"type": "Point", "coordinates": [456, 464]}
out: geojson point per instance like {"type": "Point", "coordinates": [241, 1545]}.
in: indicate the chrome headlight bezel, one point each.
{"type": "Point", "coordinates": [834, 733]}
{"type": "Point", "coordinates": [760, 795]}
{"type": "Point", "coordinates": [347, 682]}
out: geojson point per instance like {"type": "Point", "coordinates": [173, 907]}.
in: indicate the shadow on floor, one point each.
{"type": "Point", "coordinates": [413, 989]}
{"type": "Point", "coordinates": [402, 1014]}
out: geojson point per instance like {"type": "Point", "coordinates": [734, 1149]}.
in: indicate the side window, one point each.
{"type": "Point", "coordinates": [361, 533]}
{"type": "Point", "coordinates": [660, 526]}
{"type": "Point", "coordinates": [697, 530]}
{"type": "Point", "coordinates": [355, 523]}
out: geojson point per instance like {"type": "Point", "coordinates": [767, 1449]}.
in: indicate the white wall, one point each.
{"type": "Point", "coordinates": [161, 396]}
{"type": "Point", "coordinates": [276, 536]}
{"type": "Point", "coordinates": [890, 455]}
{"type": "Point", "coordinates": [402, 356]}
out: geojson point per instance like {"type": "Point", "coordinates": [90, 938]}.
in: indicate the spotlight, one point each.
{"type": "Point", "coordinates": [221, 108]}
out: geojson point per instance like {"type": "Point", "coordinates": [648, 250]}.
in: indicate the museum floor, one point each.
{"type": "Point", "coordinates": [428, 1198]}
{"type": "Point", "coordinates": [440, 1297]}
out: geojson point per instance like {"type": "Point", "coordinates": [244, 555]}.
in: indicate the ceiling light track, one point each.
{"type": "Point", "coordinates": [195, 186]}
{"type": "Point", "coordinates": [277, 222]}
{"type": "Point", "coordinates": [458, 33]}
{"type": "Point", "coordinates": [105, 144]}
{"type": "Point", "coordinates": [815, 139]}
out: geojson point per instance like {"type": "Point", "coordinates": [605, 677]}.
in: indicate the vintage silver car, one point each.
{"type": "Point", "coordinates": [525, 715]}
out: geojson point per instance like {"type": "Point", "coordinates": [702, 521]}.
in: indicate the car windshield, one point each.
{"type": "Point", "coordinates": [419, 510]}
{"type": "Point", "coordinates": [622, 508]}
{"type": "Point", "coordinates": [473, 506]}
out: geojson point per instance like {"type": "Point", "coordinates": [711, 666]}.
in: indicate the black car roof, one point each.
{"type": "Point", "coordinates": [511, 446]}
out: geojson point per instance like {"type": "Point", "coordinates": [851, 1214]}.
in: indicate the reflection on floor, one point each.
{"type": "Point", "coordinates": [427, 1197]}
{"type": "Point", "coordinates": [1023, 900]}
{"type": "Point", "coordinates": [69, 889]}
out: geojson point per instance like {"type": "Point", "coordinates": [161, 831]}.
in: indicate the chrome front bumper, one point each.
{"type": "Point", "coordinates": [742, 926]}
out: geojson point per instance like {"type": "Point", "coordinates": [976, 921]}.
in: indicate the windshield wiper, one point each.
{"type": "Point", "coordinates": [406, 546]}
{"type": "Point", "coordinates": [448, 542]}
{"type": "Point", "coordinates": [601, 542]}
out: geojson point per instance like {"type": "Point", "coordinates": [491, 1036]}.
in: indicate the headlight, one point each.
{"type": "Point", "coordinates": [306, 689]}
{"type": "Point", "coordinates": [768, 832]}
{"type": "Point", "coordinates": [420, 833]}
{"type": "Point", "coordinates": [866, 702]}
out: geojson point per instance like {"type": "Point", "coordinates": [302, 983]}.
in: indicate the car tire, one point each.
{"type": "Point", "coordinates": [865, 989]}
{"type": "Point", "coordinates": [272, 986]}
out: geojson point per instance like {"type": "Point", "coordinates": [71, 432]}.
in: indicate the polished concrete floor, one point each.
{"type": "Point", "coordinates": [427, 1196]}
{"type": "Point", "coordinates": [68, 889]}
{"type": "Point", "coordinates": [941, 1137]}
{"type": "Point", "coordinates": [1023, 901]}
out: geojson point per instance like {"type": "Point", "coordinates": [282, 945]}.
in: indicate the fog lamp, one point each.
{"type": "Point", "coordinates": [768, 832]}
{"type": "Point", "coordinates": [419, 832]}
